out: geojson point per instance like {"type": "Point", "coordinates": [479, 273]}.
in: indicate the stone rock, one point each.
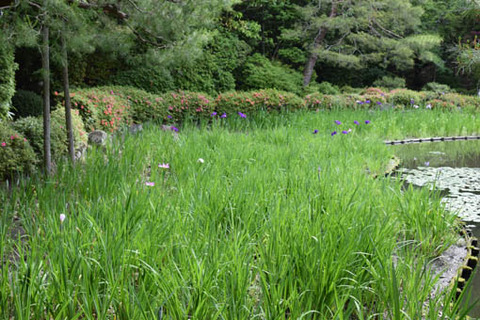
{"type": "Point", "coordinates": [134, 128]}
{"type": "Point", "coordinates": [97, 137]}
{"type": "Point", "coordinates": [80, 152]}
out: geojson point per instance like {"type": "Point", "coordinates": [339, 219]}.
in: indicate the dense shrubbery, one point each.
{"type": "Point", "coordinates": [143, 106]}
{"type": "Point", "coordinates": [27, 103]}
{"type": "Point", "coordinates": [32, 129]}
{"type": "Point", "coordinates": [269, 100]}
{"type": "Point", "coordinates": [261, 73]}
{"type": "Point", "coordinates": [437, 88]}
{"type": "Point", "coordinates": [405, 97]}
{"type": "Point", "coordinates": [80, 136]}
{"type": "Point", "coordinates": [101, 108]}
{"type": "Point", "coordinates": [153, 80]}
{"type": "Point", "coordinates": [7, 77]}
{"type": "Point", "coordinates": [390, 82]}
{"type": "Point", "coordinates": [182, 105]}
{"type": "Point", "coordinates": [16, 156]}
{"type": "Point", "coordinates": [109, 108]}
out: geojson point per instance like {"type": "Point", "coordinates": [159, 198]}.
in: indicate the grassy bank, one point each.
{"type": "Point", "coordinates": [264, 217]}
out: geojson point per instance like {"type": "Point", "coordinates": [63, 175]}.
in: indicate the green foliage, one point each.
{"type": "Point", "coordinates": [149, 78]}
{"type": "Point", "coordinates": [252, 101]}
{"type": "Point", "coordinates": [101, 108]}
{"type": "Point", "coordinates": [390, 82]}
{"type": "Point", "coordinates": [16, 154]}
{"type": "Point", "coordinates": [144, 106]}
{"type": "Point", "coordinates": [261, 73]}
{"type": "Point", "coordinates": [185, 105]}
{"type": "Point", "coordinates": [268, 195]}
{"type": "Point", "coordinates": [32, 129]}
{"type": "Point", "coordinates": [27, 103]}
{"type": "Point", "coordinates": [406, 98]}
{"type": "Point", "coordinates": [213, 71]}
{"type": "Point", "coordinates": [7, 77]}
{"type": "Point", "coordinates": [326, 87]}
{"type": "Point", "coordinates": [437, 87]}
{"type": "Point", "coordinates": [80, 136]}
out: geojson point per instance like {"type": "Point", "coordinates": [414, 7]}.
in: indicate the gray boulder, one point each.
{"type": "Point", "coordinates": [97, 138]}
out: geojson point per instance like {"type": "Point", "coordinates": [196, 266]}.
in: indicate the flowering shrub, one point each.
{"type": "Point", "coordinates": [183, 104]}
{"type": "Point", "coordinates": [268, 99]}
{"type": "Point", "coordinates": [319, 101]}
{"type": "Point", "coordinates": [144, 106]}
{"type": "Point", "coordinates": [405, 97]}
{"type": "Point", "coordinates": [314, 100]}
{"type": "Point", "coordinates": [101, 108]}
{"type": "Point", "coordinates": [16, 154]}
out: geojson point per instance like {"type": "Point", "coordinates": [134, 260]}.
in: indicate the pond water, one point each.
{"type": "Point", "coordinates": [453, 168]}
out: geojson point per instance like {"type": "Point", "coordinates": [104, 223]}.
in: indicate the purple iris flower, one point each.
{"type": "Point", "coordinates": [338, 122]}
{"type": "Point", "coordinates": [367, 102]}
{"type": "Point", "coordinates": [333, 133]}
{"type": "Point", "coordinates": [360, 102]}
{"type": "Point", "coordinates": [213, 114]}
{"type": "Point", "coordinates": [242, 115]}
{"type": "Point", "coordinates": [315, 131]}
{"type": "Point", "coordinates": [412, 101]}
{"type": "Point", "coordinates": [224, 115]}
{"type": "Point", "coordinates": [169, 117]}
{"type": "Point", "coordinates": [356, 122]}
{"type": "Point", "coordinates": [379, 103]}
{"type": "Point", "coordinates": [367, 121]}
{"type": "Point", "coordinates": [345, 132]}
{"type": "Point", "coordinates": [175, 129]}
{"type": "Point", "coordinates": [427, 164]}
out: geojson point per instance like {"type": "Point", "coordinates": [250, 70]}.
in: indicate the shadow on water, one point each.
{"type": "Point", "coordinates": [454, 154]}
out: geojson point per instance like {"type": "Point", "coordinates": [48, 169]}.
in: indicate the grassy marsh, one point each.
{"type": "Point", "coordinates": [276, 222]}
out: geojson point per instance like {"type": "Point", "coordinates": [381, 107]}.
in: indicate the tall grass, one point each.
{"type": "Point", "coordinates": [277, 222]}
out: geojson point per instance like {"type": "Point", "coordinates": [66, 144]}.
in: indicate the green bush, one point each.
{"type": "Point", "coordinates": [326, 87]}
{"type": "Point", "coordinates": [7, 77]}
{"type": "Point", "coordinates": [390, 82]}
{"type": "Point", "coordinates": [102, 108]}
{"type": "Point", "coordinates": [326, 101]}
{"type": "Point", "coordinates": [144, 106]}
{"type": "Point", "coordinates": [260, 73]}
{"type": "Point", "coordinates": [437, 88]}
{"type": "Point", "coordinates": [27, 103]}
{"type": "Point", "coordinates": [154, 80]}
{"type": "Point", "coordinates": [32, 129]}
{"type": "Point", "coordinates": [16, 155]}
{"type": "Point", "coordinates": [183, 105]}
{"type": "Point", "coordinates": [350, 90]}
{"type": "Point", "coordinates": [80, 136]}
{"type": "Point", "coordinates": [405, 97]}
{"type": "Point", "coordinates": [246, 102]}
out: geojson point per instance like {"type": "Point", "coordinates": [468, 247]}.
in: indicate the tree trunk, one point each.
{"type": "Point", "coordinates": [46, 101]}
{"type": "Point", "coordinates": [68, 107]}
{"type": "Point", "coordinates": [312, 59]}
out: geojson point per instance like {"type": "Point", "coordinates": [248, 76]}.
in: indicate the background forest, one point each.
{"type": "Point", "coordinates": [216, 46]}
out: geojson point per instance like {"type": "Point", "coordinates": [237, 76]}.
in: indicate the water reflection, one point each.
{"type": "Point", "coordinates": [454, 168]}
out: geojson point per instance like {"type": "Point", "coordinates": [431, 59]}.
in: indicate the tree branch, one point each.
{"type": "Point", "coordinates": [109, 8]}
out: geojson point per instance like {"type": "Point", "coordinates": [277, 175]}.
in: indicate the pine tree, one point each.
{"type": "Point", "coordinates": [356, 34]}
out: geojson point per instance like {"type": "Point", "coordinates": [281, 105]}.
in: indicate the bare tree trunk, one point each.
{"type": "Point", "coordinates": [68, 107]}
{"type": "Point", "coordinates": [46, 100]}
{"type": "Point", "coordinates": [312, 59]}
